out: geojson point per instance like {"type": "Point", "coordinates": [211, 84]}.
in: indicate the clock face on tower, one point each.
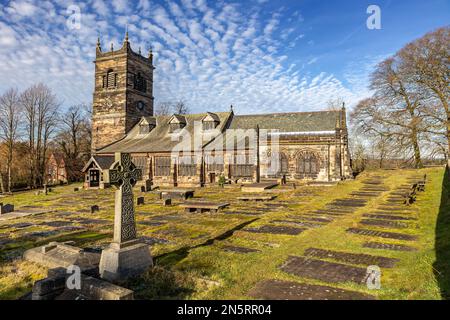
{"type": "Point", "coordinates": [140, 105]}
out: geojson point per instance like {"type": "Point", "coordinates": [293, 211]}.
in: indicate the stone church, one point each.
{"type": "Point", "coordinates": [196, 149]}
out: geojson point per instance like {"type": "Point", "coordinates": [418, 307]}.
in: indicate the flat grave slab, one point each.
{"type": "Point", "coordinates": [176, 193]}
{"type": "Point", "coordinates": [88, 221]}
{"type": "Point", "coordinates": [200, 207]}
{"type": "Point", "coordinates": [62, 255]}
{"type": "Point", "coordinates": [382, 234]}
{"type": "Point", "coordinates": [312, 218]}
{"type": "Point", "coordinates": [299, 223]}
{"type": "Point", "coordinates": [20, 225]}
{"type": "Point", "coordinates": [258, 187]}
{"type": "Point", "coordinates": [152, 240]}
{"type": "Point", "coordinates": [366, 194]}
{"type": "Point", "coordinates": [388, 217]}
{"type": "Point", "coordinates": [323, 270]}
{"type": "Point", "coordinates": [352, 258]}
{"type": "Point", "coordinates": [256, 198]}
{"type": "Point", "coordinates": [393, 208]}
{"type": "Point", "coordinates": [289, 290]}
{"type": "Point", "coordinates": [384, 223]}
{"type": "Point", "coordinates": [247, 213]}
{"type": "Point", "coordinates": [237, 249]}
{"type": "Point", "coordinates": [25, 212]}
{"type": "Point", "coordinates": [272, 229]}
{"type": "Point", "coordinates": [394, 213]}
{"type": "Point", "coordinates": [388, 246]}
{"type": "Point", "coordinates": [151, 223]}
{"type": "Point", "coordinates": [56, 223]}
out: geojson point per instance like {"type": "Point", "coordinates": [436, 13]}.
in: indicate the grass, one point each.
{"type": "Point", "coordinates": [193, 266]}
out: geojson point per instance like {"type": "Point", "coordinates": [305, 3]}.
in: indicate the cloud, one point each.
{"type": "Point", "coordinates": [210, 54]}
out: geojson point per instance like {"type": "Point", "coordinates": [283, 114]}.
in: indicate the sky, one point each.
{"type": "Point", "coordinates": [258, 55]}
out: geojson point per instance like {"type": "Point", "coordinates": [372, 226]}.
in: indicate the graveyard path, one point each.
{"type": "Point", "coordinates": [315, 241]}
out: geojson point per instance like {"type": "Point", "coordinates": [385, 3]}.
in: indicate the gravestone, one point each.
{"type": "Point", "coordinates": [6, 208]}
{"type": "Point", "coordinates": [126, 256]}
{"type": "Point", "coordinates": [140, 201]}
{"type": "Point", "coordinates": [45, 189]}
{"type": "Point", "coordinates": [76, 189]}
{"type": "Point", "coordinates": [167, 202]}
{"type": "Point", "coordinates": [95, 208]}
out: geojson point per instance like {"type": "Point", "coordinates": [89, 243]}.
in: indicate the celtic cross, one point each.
{"type": "Point", "coordinates": [123, 174]}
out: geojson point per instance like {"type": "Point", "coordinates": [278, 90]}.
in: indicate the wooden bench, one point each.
{"type": "Point", "coordinates": [183, 194]}
{"type": "Point", "coordinates": [256, 198]}
{"type": "Point", "coordinates": [200, 207]}
{"type": "Point", "coordinates": [410, 196]}
{"type": "Point", "coordinates": [421, 184]}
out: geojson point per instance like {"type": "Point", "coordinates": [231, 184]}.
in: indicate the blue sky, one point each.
{"type": "Point", "coordinates": [259, 55]}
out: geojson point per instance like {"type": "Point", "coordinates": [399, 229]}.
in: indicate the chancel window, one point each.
{"type": "Point", "coordinates": [187, 166]}
{"type": "Point", "coordinates": [307, 163]}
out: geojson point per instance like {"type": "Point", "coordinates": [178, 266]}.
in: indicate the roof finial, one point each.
{"type": "Point", "coordinates": [99, 46]}
{"type": "Point", "coordinates": [140, 50]}
{"type": "Point", "coordinates": [150, 54]}
{"type": "Point", "coordinates": [343, 105]}
{"type": "Point", "coordinates": [126, 33]}
{"type": "Point", "coordinates": [112, 46]}
{"type": "Point", "coordinates": [231, 108]}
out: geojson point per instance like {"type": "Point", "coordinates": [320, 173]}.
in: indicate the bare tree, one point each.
{"type": "Point", "coordinates": [74, 139]}
{"type": "Point", "coordinates": [335, 104]}
{"type": "Point", "coordinates": [163, 109]}
{"type": "Point", "coordinates": [168, 108]}
{"type": "Point", "coordinates": [180, 107]}
{"type": "Point", "coordinates": [399, 106]}
{"type": "Point", "coordinates": [10, 114]}
{"type": "Point", "coordinates": [40, 107]}
{"type": "Point", "coordinates": [426, 63]}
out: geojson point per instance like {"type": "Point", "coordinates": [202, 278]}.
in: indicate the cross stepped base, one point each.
{"type": "Point", "coordinates": [118, 263]}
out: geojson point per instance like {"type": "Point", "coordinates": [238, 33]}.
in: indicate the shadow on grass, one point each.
{"type": "Point", "coordinates": [173, 257]}
{"type": "Point", "coordinates": [442, 241]}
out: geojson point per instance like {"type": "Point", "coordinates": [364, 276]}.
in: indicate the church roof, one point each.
{"type": "Point", "coordinates": [289, 122]}
{"type": "Point", "coordinates": [102, 162]}
{"type": "Point", "coordinates": [159, 139]}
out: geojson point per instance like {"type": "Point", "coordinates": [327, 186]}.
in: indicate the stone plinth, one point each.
{"type": "Point", "coordinates": [119, 262]}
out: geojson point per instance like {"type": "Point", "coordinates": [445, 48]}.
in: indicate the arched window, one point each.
{"type": "Point", "coordinates": [307, 163]}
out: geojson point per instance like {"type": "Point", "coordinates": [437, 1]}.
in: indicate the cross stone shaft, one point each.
{"type": "Point", "coordinates": [123, 174]}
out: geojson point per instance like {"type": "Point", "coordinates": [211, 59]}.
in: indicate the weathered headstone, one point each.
{"type": "Point", "coordinates": [140, 201]}
{"type": "Point", "coordinates": [95, 208]}
{"type": "Point", "coordinates": [45, 189]}
{"type": "Point", "coordinates": [76, 189]}
{"type": "Point", "coordinates": [6, 208]}
{"type": "Point", "coordinates": [167, 202]}
{"type": "Point", "coordinates": [126, 256]}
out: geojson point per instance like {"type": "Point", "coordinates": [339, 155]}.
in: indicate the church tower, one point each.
{"type": "Point", "coordinates": [123, 92]}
